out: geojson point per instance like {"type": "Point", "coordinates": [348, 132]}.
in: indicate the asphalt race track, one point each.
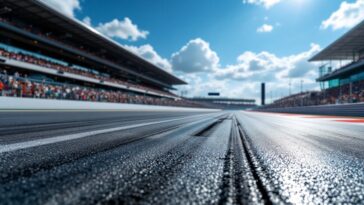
{"type": "Point", "coordinates": [180, 158]}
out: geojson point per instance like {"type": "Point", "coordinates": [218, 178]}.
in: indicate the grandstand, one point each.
{"type": "Point", "coordinates": [341, 74]}
{"type": "Point", "coordinates": [342, 70]}
{"type": "Point", "coordinates": [225, 103]}
{"type": "Point", "coordinates": [46, 54]}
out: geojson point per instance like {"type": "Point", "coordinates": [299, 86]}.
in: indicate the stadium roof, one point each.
{"type": "Point", "coordinates": [344, 72]}
{"type": "Point", "coordinates": [42, 13]}
{"type": "Point", "coordinates": [345, 47]}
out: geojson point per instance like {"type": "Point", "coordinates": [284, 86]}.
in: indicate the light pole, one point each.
{"type": "Point", "coordinates": [289, 84]}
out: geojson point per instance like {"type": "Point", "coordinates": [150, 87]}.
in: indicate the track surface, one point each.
{"type": "Point", "coordinates": [179, 158]}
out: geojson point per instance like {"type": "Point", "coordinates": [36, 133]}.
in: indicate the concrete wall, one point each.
{"type": "Point", "coordinates": [355, 110]}
{"type": "Point", "coordinates": [13, 103]}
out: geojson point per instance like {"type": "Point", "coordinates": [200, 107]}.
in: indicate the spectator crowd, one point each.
{"type": "Point", "coordinates": [63, 68]}
{"type": "Point", "coordinates": [347, 93]}
{"type": "Point", "coordinates": [18, 85]}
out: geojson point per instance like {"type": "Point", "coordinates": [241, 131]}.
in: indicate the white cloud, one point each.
{"type": "Point", "coordinates": [67, 7]}
{"type": "Point", "coordinates": [87, 21]}
{"type": "Point", "coordinates": [243, 78]}
{"type": "Point", "coordinates": [265, 28]}
{"type": "Point", "coordinates": [347, 16]}
{"type": "Point", "coordinates": [147, 52]}
{"type": "Point", "coordinates": [265, 66]}
{"type": "Point", "coordinates": [195, 56]}
{"type": "Point", "coordinates": [123, 29]}
{"type": "Point", "coordinates": [266, 3]}
{"type": "Point", "coordinates": [300, 66]}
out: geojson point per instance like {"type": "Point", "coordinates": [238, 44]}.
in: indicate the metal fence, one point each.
{"type": "Point", "coordinates": [355, 110]}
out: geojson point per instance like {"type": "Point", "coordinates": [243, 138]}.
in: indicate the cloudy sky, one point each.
{"type": "Point", "coordinates": [226, 46]}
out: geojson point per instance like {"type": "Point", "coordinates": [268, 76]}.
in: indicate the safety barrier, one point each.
{"type": "Point", "coordinates": [14, 103]}
{"type": "Point", "coordinates": [355, 110]}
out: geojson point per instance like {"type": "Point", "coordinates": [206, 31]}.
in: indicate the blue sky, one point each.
{"type": "Point", "coordinates": [230, 26]}
{"type": "Point", "coordinates": [228, 46]}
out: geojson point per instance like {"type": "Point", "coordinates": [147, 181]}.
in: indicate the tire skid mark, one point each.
{"type": "Point", "coordinates": [268, 195]}
{"type": "Point", "coordinates": [230, 190]}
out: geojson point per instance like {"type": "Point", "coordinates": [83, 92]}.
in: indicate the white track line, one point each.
{"type": "Point", "coordinates": [51, 140]}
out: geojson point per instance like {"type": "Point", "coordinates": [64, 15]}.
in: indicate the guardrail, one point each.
{"type": "Point", "coordinates": [355, 110]}
{"type": "Point", "coordinates": [15, 103]}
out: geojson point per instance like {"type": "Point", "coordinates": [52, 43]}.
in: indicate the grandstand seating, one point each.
{"type": "Point", "coordinates": [20, 85]}
{"type": "Point", "coordinates": [28, 58]}
{"type": "Point", "coordinates": [49, 35]}
{"type": "Point", "coordinates": [45, 34]}
{"type": "Point", "coordinates": [336, 95]}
